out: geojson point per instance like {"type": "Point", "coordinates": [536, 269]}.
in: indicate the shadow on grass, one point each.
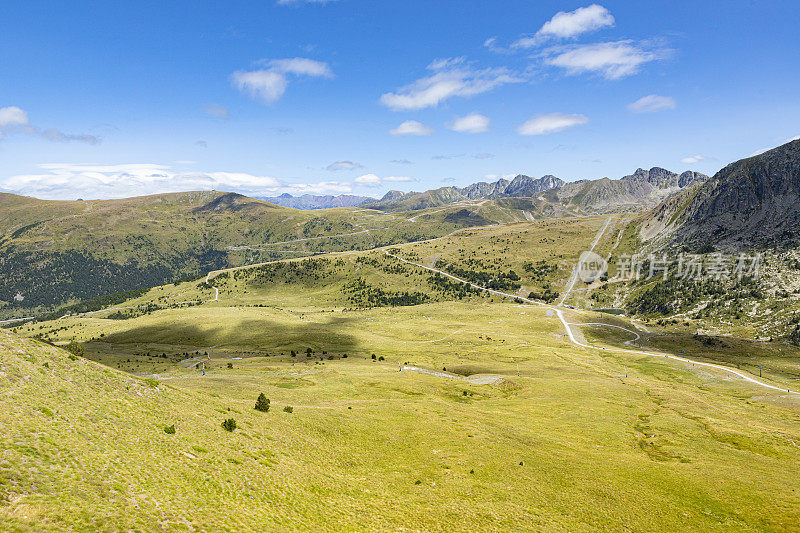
{"type": "Point", "coordinates": [246, 334]}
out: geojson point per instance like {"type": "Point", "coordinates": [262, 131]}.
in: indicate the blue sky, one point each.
{"type": "Point", "coordinates": [113, 99]}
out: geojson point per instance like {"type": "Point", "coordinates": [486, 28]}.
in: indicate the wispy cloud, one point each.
{"type": "Point", "coordinates": [473, 123]}
{"type": "Point", "coordinates": [373, 180]}
{"type": "Point", "coordinates": [451, 77]}
{"type": "Point", "coordinates": [652, 103]}
{"type": "Point", "coordinates": [15, 121]}
{"type": "Point", "coordinates": [269, 84]}
{"type": "Point", "coordinates": [342, 165]}
{"type": "Point", "coordinates": [216, 110]}
{"type": "Point", "coordinates": [550, 123]}
{"type": "Point", "coordinates": [612, 60]}
{"type": "Point", "coordinates": [693, 159]}
{"type": "Point", "coordinates": [411, 127]}
{"type": "Point", "coordinates": [300, 66]}
{"type": "Point", "coordinates": [65, 180]}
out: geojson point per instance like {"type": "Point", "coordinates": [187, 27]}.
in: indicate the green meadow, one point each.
{"type": "Point", "coordinates": [514, 428]}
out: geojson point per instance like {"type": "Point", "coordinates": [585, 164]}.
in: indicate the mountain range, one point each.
{"type": "Point", "coordinates": [312, 201]}
{"type": "Point", "coordinates": [640, 190]}
{"type": "Point", "coordinates": [56, 252]}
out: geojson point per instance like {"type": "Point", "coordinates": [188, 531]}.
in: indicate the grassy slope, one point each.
{"type": "Point", "coordinates": [662, 449]}
{"type": "Point", "coordinates": [97, 247]}
{"type": "Point", "coordinates": [669, 446]}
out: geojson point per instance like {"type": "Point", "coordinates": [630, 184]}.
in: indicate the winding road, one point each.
{"type": "Point", "coordinates": [560, 314]}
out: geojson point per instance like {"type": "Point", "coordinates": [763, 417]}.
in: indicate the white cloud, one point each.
{"type": "Point", "coordinates": [693, 159]}
{"type": "Point", "coordinates": [412, 127]}
{"type": "Point", "coordinates": [13, 116]}
{"type": "Point", "coordinates": [373, 180]}
{"type": "Point", "coordinates": [342, 165]}
{"type": "Point", "coordinates": [301, 66]}
{"type": "Point", "coordinates": [14, 120]}
{"type": "Point", "coordinates": [474, 123]}
{"type": "Point", "coordinates": [263, 85]}
{"type": "Point", "coordinates": [368, 180]}
{"type": "Point", "coordinates": [322, 187]}
{"type": "Point", "coordinates": [216, 110]}
{"type": "Point", "coordinates": [451, 77]}
{"type": "Point", "coordinates": [613, 60]}
{"type": "Point", "coordinates": [268, 85]}
{"type": "Point", "coordinates": [569, 24]}
{"type": "Point", "coordinates": [550, 123]}
{"type": "Point", "coordinates": [652, 103]}
{"type": "Point", "coordinates": [64, 180]}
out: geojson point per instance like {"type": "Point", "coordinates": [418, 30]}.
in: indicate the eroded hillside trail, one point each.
{"type": "Point", "coordinates": [576, 270]}
{"type": "Point", "coordinates": [571, 335]}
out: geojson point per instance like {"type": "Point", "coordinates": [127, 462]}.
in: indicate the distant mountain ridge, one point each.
{"type": "Point", "coordinates": [520, 186]}
{"type": "Point", "coordinates": [638, 191]}
{"type": "Point", "coordinates": [311, 201]}
{"type": "Point", "coordinates": [635, 192]}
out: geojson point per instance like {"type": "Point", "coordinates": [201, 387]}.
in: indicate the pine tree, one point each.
{"type": "Point", "coordinates": [262, 403]}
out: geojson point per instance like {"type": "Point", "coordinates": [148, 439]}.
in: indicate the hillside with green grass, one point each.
{"type": "Point", "coordinates": [402, 381]}
{"type": "Point", "coordinates": [350, 442]}
{"type": "Point", "coordinates": [56, 253]}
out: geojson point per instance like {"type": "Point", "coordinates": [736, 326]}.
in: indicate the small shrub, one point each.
{"type": "Point", "coordinates": [230, 366]}
{"type": "Point", "coordinates": [381, 358]}
{"type": "Point", "coordinates": [262, 403]}
{"type": "Point", "coordinates": [288, 409]}
{"type": "Point", "coordinates": [229, 424]}
{"type": "Point", "coordinates": [74, 348]}
{"type": "Point", "coordinates": [169, 430]}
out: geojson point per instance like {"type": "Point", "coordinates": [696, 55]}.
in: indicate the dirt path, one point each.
{"type": "Point", "coordinates": [574, 277]}
{"type": "Point", "coordinates": [477, 379]}
{"type": "Point", "coordinates": [571, 335]}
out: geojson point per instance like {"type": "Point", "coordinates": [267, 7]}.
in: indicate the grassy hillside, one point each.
{"type": "Point", "coordinates": [57, 252]}
{"type": "Point", "coordinates": [369, 447]}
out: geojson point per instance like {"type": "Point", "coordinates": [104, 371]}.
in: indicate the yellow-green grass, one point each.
{"type": "Point", "coordinates": [670, 447]}
{"type": "Point", "coordinates": [369, 447]}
